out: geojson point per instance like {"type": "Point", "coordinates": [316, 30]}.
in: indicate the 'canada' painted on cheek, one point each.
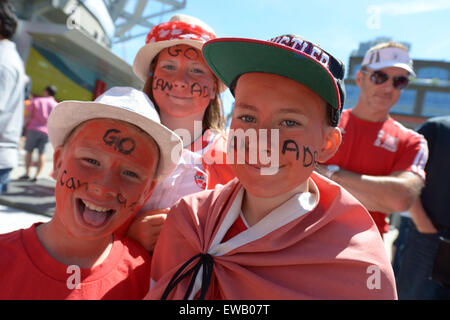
{"type": "Point", "coordinates": [196, 89]}
{"type": "Point", "coordinates": [309, 158]}
{"type": "Point", "coordinates": [71, 183]}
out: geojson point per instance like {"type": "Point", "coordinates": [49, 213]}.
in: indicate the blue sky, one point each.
{"type": "Point", "coordinates": [337, 26]}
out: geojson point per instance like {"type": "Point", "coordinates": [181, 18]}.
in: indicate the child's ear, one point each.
{"type": "Point", "coordinates": [57, 161]}
{"type": "Point", "coordinates": [332, 141]}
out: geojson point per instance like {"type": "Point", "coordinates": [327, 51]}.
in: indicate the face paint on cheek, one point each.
{"type": "Point", "coordinates": [161, 84]}
{"type": "Point", "coordinates": [309, 158]}
{"type": "Point", "coordinates": [291, 146]}
{"type": "Point", "coordinates": [201, 92]}
{"type": "Point", "coordinates": [206, 91]}
{"type": "Point", "coordinates": [124, 203]}
{"type": "Point", "coordinates": [196, 88]}
{"type": "Point", "coordinates": [71, 183]}
{"type": "Point", "coordinates": [66, 186]}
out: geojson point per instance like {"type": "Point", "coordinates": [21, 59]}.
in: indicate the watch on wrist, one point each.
{"type": "Point", "coordinates": [331, 169]}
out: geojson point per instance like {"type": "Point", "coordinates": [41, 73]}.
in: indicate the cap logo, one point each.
{"type": "Point", "coordinates": [375, 55]}
{"type": "Point", "coordinates": [304, 46]}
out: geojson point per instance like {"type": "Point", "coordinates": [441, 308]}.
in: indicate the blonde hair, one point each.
{"type": "Point", "coordinates": [389, 44]}
{"type": "Point", "coordinates": [213, 118]}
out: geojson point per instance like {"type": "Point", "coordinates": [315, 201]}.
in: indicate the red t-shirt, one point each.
{"type": "Point", "coordinates": [27, 271]}
{"type": "Point", "coordinates": [379, 149]}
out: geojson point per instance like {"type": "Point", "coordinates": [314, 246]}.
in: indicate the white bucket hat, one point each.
{"type": "Point", "coordinates": [181, 29]}
{"type": "Point", "coordinates": [120, 103]}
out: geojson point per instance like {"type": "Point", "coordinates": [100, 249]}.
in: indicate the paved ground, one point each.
{"type": "Point", "coordinates": [12, 219]}
{"type": "Point", "coordinates": [34, 197]}
{"type": "Point", "coordinates": [27, 202]}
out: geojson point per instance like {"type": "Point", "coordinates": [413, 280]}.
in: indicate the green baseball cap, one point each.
{"type": "Point", "coordinates": [289, 56]}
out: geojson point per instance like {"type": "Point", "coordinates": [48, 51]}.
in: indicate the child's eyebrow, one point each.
{"type": "Point", "coordinates": [170, 60]}
{"type": "Point", "coordinates": [197, 62]}
{"type": "Point", "coordinates": [295, 111]}
{"type": "Point", "coordinates": [290, 110]}
{"type": "Point", "coordinates": [246, 106]}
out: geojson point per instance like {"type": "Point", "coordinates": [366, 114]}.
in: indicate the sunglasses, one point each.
{"type": "Point", "coordinates": [379, 77]}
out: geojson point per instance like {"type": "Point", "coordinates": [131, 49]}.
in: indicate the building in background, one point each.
{"type": "Point", "coordinates": [67, 43]}
{"type": "Point", "coordinates": [426, 96]}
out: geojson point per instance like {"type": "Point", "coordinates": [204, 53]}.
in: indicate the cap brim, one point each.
{"type": "Point", "coordinates": [232, 57]}
{"type": "Point", "coordinates": [69, 114]}
{"type": "Point", "coordinates": [145, 55]}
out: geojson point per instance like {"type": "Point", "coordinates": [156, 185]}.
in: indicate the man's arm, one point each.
{"type": "Point", "coordinates": [387, 194]}
{"type": "Point", "coordinates": [420, 218]}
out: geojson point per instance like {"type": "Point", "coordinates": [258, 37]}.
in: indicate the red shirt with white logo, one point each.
{"type": "Point", "coordinates": [28, 271]}
{"type": "Point", "coordinates": [379, 149]}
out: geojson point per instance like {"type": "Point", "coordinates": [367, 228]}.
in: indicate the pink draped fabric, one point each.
{"type": "Point", "coordinates": [332, 252]}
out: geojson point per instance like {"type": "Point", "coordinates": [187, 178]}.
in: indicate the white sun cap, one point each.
{"type": "Point", "coordinates": [388, 57]}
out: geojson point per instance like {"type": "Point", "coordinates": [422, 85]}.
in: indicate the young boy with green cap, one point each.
{"type": "Point", "coordinates": [279, 230]}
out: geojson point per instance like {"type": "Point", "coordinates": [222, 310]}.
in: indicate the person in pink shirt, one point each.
{"type": "Point", "coordinates": [36, 129]}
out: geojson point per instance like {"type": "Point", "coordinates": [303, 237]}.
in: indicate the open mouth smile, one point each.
{"type": "Point", "coordinates": [93, 215]}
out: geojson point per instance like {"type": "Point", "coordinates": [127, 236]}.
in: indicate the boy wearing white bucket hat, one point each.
{"type": "Point", "coordinates": [109, 154]}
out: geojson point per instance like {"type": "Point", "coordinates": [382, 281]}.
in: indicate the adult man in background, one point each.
{"type": "Point", "coordinates": [430, 220]}
{"type": "Point", "coordinates": [380, 161]}
{"type": "Point", "coordinates": [12, 81]}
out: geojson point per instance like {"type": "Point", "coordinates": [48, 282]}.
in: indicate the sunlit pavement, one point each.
{"type": "Point", "coordinates": [28, 202]}
{"type": "Point", "coordinates": [13, 219]}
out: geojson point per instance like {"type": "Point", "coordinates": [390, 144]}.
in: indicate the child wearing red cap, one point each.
{"type": "Point", "coordinates": [187, 96]}
{"type": "Point", "coordinates": [279, 230]}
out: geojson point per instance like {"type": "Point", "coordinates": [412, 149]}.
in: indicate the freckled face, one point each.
{"type": "Point", "coordinates": [104, 173]}
{"type": "Point", "coordinates": [183, 84]}
{"type": "Point", "coordinates": [268, 101]}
